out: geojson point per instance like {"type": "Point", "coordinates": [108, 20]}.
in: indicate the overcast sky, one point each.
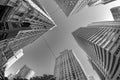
{"type": "Point", "coordinates": [40, 58]}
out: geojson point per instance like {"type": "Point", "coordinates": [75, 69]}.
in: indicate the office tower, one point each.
{"type": "Point", "coordinates": [71, 6]}
{"type": "Point", "coordinates": [67, 67]}
{"type": "Point", "coordinates": [28, 11]}
{"type": "Point", "coordinates": [116, 13]}
{"type": "Point", "coordinates": [28, 14]}
{"type": "Point", "coordinates": [101, 42]}
{"type": "Point", "coordinates": [32, 16]}
{"type": "Point", "coordinates": [25, 72]}
{"type": "Point", "coordinates": [24, 20]}
{"type": "Point", "coordinates": [13, 59]}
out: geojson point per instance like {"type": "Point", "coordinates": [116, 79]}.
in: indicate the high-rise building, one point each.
{"type": "Point", "coordinates": [28, 11]}
{"type": "Point", "coordinates": [116, 13]}
{"type": "Point", "coordinates": [23, 21]}
{"type": "Point", "coordinates": [25, 72]}
{"type": "Point", "coordinates": [101, 42]}
{"type": "Point", "coordinates": [67, 67]}
{"type": "Point", "coordinates": [71, 6]}
{"type": "Point", "coordinates": [28, 14]}
{"type": "Point", "coordinates": [13, 59]}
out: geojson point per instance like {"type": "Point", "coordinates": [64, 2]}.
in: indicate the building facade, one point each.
{"type": "Point", "coordinates": [21, 19]}
{"type": "Point", "coordinates": [93, 2]}
{"type": "Point", "coordinates": [116, 13]}
{"type": "Point", "coordinates": [22, 22]}
{"type": "Point", "coordinates": [98, 2]}
{"type": "Point", "coordinates": [97, 70]}
{"type": "Point", "coordinates": [67, 67]}
{"type": "Point", "coordinates": [13, 59]}
{"type": "Point", "coordinates": [101, 42]}
{"type": "Point", "coordinates": [21, 43]}
{"type": "Point", "coordinates": [106, 1]}
{"type": "Point", "coordinates": [25, 72]}
{"type": "Point", "coordinates": [71, 6]}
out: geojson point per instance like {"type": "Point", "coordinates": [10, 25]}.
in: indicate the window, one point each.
{"type": "Point", "coordinates": [30, 16]}
{"type": "Point", "coordinates": [3, 36]}
{"type": "Point", "coordinates": [118, 78]}
{"type": "Point", "coordinates": [45, 27]}
{"type": "Point", "coordinates": [1, 26]}
{"type": "Point", "coordinates": [118, 50]}
{"type": "Point", "coordinates": [15, 25]}
{"type": "Point", "coordinates": [105, 55]}
{"type": "Point", "coordinates": [36, 18]}
{"type": "Point", "coordinates": [7, 25]}
{"type": "Point", "coordinates": [109, 58]}
{"type": "Point", "coordinates": [25, 24]}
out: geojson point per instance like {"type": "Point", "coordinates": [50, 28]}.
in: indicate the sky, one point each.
{"type": "Point", "coordinates": [39, 55]}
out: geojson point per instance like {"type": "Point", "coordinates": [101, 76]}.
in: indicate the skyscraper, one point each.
{"type": "Point", "coordinates": [71, 6]}
{"type": "Point", "coordinates": [116, 13]}
{"type": "Point", "coordinates": [25, 72]}
{"type": "Point", "coordinates": [67, 67]}
{"type": "Point", "coordinates": [24, 20]}
{"type": "Point", "coordinates": [21, 23]}
{"type": "Point", "coordinates": [101, 42]}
